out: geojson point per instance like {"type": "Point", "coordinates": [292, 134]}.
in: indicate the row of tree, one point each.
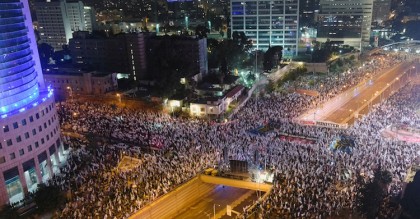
{"type": "Point", "coordinates": [46, 198]}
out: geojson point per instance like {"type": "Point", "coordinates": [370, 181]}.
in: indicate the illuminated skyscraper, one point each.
{"type": "Point", "coordinates": [30, 144]}
{"type": "Point", "coordinates": [267, 23]}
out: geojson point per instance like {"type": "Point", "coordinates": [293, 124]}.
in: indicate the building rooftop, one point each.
{"type": "Point", "coordinates": [234, 91]}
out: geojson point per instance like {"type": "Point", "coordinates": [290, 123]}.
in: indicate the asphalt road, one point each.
{"type": "Point", "coordinates": [218, 198]}
{"type": "Point", "coordinates": [390, 80]}
{"type": "Point", "coordinates": [356, 100]}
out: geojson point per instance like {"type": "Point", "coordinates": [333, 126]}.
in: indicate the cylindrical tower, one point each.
{"type": "Point", "coordinates": [30, 145]}
{"type": "Point", "coordinates": [18, 81]}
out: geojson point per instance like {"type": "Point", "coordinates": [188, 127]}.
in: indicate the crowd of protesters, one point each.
{"type": "Point", "coordinates": [311, 181]}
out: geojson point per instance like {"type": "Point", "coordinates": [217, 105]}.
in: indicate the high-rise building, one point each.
{"type": "Point", "coordinates": [136, 48]}
{"type": "Point", "coordinates": [58, 19]}
{"type": "Point", "coordinates": [267, 23]}
{"type": "Point", "coordinates": [30, 144]}
{"type": "Point", "coordinates": [348, 21]}
{"type": "Point", "coordinates": [54, 25]}
{"type": "Point", "coordinates": [381, 10]}
{"type": "Point", "coordinates": [81, 17]}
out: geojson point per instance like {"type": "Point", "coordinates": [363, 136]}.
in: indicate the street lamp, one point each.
{"type": "Point", "coordinates": [119, 97]}
{"type": "Point", "coordinates": [186, 22]}
{"type": "Point", "coordinates": [214, 210]}
{"type": "Point", "coordinates": [70, 93]}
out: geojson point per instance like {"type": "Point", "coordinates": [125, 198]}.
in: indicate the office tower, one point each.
{"type": "Point", "coordinates": [307, 9]}
{"type": "Point", "coordinates": [381, 10]}
{"type": "Point", "coordinates": [30, 145]}
{"type": "Point", "coordinates": [348, 21]}
{"type": "Point", "coordinates": [267, 23]}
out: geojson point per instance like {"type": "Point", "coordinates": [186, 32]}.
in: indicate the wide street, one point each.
{"type": "Point", "coordinates": [356, 100]}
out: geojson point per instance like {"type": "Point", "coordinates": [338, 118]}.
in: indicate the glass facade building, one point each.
{"type": "Point", "coordinates": [268, 23]}
{"type": "Point", "coordinates": [29, 129]}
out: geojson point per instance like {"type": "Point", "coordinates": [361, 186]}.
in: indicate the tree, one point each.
{"type": "Point", "coordinates": [48, 198]}
{"type": "Point", "coordinates": [412, 30]}
{"type": "Point", "coordinates": [168, 66]}
{"type": "Point", "coordinates": [272, 57]}
{"type": "Point", "coordinates": [213, 53]}
{"type": "Point", "coordinates": [411, 201]}
{"type": "Point", "coordinates": [9, 212]}
{"type": "Point", "coordinates": [201, 31]}
{"type": "Point", "coordinates": [371, 194]}
{"type": "Point", "coordinates": [45, 52]}
{"type": "Point", "coordinates": [230, 53]}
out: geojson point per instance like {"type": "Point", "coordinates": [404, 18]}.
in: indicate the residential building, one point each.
{"type": "Point", "coordinates": [81, 17]}
{"type": "Point", "coordinates": [99, 52]}
{"type": "Point", "coordinates": [267, 23]}
{"type": "Point", "coordinates": [30, 142]}
{"type": "Point", "coordinates": [54, 24]}
{"type": "Point", "coordinates": [214, 106]}
{"type": "Point", "coordinates": [58, 19]}
{"type": "Point", "coordinates": [348, 21]}
{"type": "Point", "coordinates": [211, 106]}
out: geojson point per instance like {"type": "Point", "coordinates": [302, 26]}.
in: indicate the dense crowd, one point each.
{"type": "Point", "coordinates": [311, 181]}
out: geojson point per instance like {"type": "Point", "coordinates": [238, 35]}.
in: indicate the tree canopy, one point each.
{"type": "Point", "coordinates": [411, 200]}
{"type": "Point", "coordinates": [371, 194]}
{"type": "Point", "coordinates": [272, 57]}
{"type": "Point", "coordinates": [230, 53]}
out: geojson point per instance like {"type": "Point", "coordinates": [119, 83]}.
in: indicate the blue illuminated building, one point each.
{"type": "Point", "coordinates": [30, 145]}
{"type": "Point", "coordinates": [19, 84]}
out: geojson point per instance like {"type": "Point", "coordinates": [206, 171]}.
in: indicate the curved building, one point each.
{"type": "Point", "coordinates": [30, 143]}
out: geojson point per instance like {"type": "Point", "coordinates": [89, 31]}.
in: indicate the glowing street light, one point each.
{"type": "Point", "coordinates": [70, 92]}
{"type": "Point", "coordinates": [119, 97]}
